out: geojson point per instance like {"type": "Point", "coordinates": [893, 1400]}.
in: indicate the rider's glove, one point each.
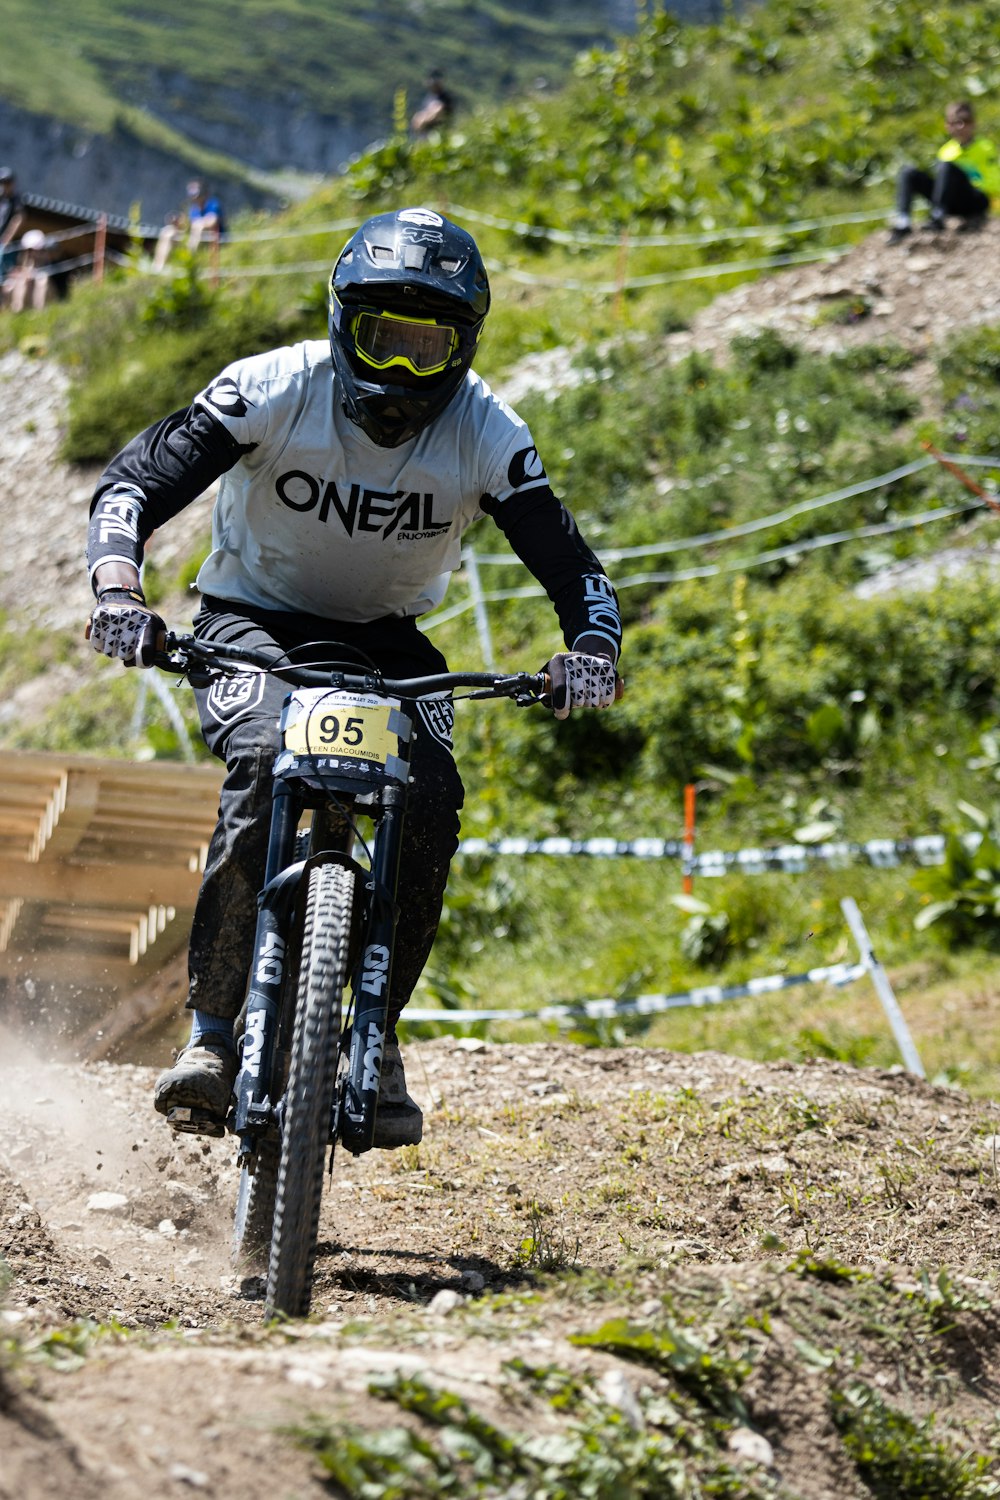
{"type": "Point", "coordinates": [580, 681]}
{"type": "Point", "coordinates": [124, 626]}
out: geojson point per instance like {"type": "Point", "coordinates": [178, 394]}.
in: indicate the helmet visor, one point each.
{"type": "Point", "coordinates": [420, 345]}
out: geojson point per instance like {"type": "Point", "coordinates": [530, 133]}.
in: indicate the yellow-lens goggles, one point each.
{"type": "Point", "coordinates": [420, 345]}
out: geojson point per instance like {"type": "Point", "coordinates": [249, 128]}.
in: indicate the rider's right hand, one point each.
{"type": "Point", "coordinates": [123, 626]}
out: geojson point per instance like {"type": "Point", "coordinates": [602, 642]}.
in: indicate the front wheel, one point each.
{"type": "Point", "coordinates": [308, 1102]}
{"type": "Point", "coordinates": [254, 1219]}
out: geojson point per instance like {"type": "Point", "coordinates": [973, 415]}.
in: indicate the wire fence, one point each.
{"type": "Point", "coordinates": [624, 240]}
{"type": "Point", "coordinates": [479, 598]}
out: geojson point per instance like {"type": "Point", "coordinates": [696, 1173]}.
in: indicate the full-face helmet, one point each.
{"type": "Point", "coordinates": [408, 298]}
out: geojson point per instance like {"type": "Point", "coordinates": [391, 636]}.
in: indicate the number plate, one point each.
{"type": "Point", "coordinates": [352, 726]}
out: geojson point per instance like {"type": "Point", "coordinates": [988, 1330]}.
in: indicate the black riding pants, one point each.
{"type": "Point", "coordinates": [239, 718]}
{"type": "Point", "coordinates": [949, 191]}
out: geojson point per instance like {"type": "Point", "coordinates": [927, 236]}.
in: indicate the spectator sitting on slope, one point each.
{"type": "Point", "coordinates": [205, 215]}
{"type": "Point", "coordinates": [966, 178]}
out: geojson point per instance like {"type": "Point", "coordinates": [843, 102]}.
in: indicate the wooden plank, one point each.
{"type": "Point", "coordinates": [79, 971]}
{"type": "Point", "coordinates": [100, 865]}
{"type": "Point", "coordinates": [105, 885]}
{"type": "Point", "coordinates": [82, 791]}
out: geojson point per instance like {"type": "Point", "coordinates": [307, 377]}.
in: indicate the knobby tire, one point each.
{"type": "Point", "coordinates": [308, 1103]}
{"type": "Point", "coordinates": [254, 1222]}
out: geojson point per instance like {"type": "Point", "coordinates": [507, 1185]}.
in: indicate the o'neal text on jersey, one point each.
{"type": "Point", "coordinates": [117, 516]}
{"type": "Point", "coordinates": [361, 509]}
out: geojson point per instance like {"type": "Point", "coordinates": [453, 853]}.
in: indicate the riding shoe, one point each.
{"type": "Point", "coordinates": [201, 1078]}
{"type": "Point", "coordinates": [398, 1119]}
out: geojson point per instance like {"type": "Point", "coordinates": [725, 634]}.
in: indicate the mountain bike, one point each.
{"type": "Point", "coordinates": [313, 1025]}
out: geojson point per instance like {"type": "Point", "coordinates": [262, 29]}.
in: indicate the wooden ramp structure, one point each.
{"type": "Point", "coordinates": [100, 862]}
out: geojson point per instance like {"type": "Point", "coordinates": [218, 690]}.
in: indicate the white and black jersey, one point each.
{"type": "Point", "coordinates": [313, 516]}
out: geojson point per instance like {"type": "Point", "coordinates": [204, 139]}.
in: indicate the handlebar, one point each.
{"type": "Point", "coordinates": [200, 660]}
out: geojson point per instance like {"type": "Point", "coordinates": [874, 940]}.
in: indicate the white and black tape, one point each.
{"type": "Point", "coordinates": [881, 854]}
{"type": "Point", "coordinates": [646, 1005]}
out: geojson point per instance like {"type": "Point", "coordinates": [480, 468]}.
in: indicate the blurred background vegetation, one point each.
{"type": "Point", "coordinates": [801, 709]}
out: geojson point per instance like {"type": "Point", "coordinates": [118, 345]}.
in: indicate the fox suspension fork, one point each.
{"type": "Point", "coordinates": [372, 982]}
{"type": "Point", "coordinates": [253, 1105]}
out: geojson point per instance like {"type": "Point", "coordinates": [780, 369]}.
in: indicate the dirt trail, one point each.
{"type": "Point", "coordinates": [639, 1166]}
{"type": "Point", "coordinates": [802, 1212]}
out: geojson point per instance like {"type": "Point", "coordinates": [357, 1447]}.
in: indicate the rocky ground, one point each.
{"type": "Point", "coordinates": [556, 1187]}
{"type": "Point", "coordinates": [784, 1243]}
{"type": "Point", "coordinates": [913, 294]}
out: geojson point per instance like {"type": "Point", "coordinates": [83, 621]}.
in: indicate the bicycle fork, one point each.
{"type": "Point", "coordinates": [355, 1109]}
{"type": "Point", "coordinates": [355, 1105]}
{"type": "Point", "coordinates": [254, 1108]}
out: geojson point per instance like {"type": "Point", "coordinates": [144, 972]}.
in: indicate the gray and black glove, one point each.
{"type": "Point", "coordinates": [123, 626]}
{"type": "Point", "coordinates": [581, 681]}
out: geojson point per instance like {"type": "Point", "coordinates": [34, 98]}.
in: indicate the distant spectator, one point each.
{"type": "Point", "coordinates": [436, 107]}
{"type": "Point", "coordinates": [11, 218]}
{"type": "Point", "coordinates": [27, 285]}
{"type": "Point", "coordinates": [205, 215]}
{"type": "Point", "coordinates": [167, 241]}
{"type": "Point", "coordinates": [966, 178]}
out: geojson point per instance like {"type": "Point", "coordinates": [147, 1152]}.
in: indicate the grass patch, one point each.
{"type": "Point", "coordinates": [684, 1388]}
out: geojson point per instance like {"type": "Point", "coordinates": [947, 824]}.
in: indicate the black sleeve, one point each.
{"type": "Point", "coordinates": [545, 536]}
{"type": "Point", "coordinates": [154, 477]}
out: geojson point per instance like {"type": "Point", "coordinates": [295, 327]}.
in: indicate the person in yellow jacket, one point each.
{"type": "Point", "coordinates": [965, 180]}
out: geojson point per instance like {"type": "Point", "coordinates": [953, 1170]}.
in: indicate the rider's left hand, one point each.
{"type": "Point", "coordinates": [580, 680]}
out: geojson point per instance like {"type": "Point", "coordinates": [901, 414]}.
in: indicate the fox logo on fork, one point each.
{"type": "Point", "coordinates": [373, 1057]}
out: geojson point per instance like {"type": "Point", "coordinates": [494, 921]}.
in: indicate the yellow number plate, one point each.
{"type": "Point", "coordinates": [351, 725]}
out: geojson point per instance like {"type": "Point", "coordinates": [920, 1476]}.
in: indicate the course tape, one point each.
{"type": "Point", "coordinates": [645, 1005]}
{"type": "Point", "coordinates": [881, 854]}
{"type": "Point", "coordinates": [573, 284]}
{"type": "Point", "coordinates": [572, 237]}
{"type": "Point", "coordinates": [774, 518]}
{"type": "Point", "coordinates": [698, 237]}
{"type": "Point", "coordinates": [715, 570]}
{"type": "Point", "coordinates": [667, 278]}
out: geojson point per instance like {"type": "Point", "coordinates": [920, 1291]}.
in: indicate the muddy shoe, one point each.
{"type": "Point", "coordinates": [194, 1094]}
{"type": "Point", "coordinates": [398, 1120]}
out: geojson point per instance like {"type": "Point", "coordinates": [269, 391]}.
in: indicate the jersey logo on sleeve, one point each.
{"type": "Point", "coordinates": [117, 517]}
{"type": "Point", "coordinates": [225, 395]}
{"type": "Point", "coordinates": [601, 605]}
{"type": "Point", "coordinates": [525, 468]}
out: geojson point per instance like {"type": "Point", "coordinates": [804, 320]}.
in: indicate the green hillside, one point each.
{"type": "Point", "coordinates": [801, 710]}
{"type": "Point", "coordinates": [149, 64]}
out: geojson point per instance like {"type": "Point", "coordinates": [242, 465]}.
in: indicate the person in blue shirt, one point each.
{"type": "Point", "coordinates": [205, 215]}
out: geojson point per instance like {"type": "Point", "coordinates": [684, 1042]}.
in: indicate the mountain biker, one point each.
{"type": "Point", "coordinates": [350, 467]}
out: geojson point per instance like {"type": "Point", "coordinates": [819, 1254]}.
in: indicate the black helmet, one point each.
{"type": "Point", "coordinates": [408, 298]}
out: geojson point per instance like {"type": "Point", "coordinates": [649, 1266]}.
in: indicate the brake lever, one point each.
{"type": "Point", "coordinates": [524, 690]}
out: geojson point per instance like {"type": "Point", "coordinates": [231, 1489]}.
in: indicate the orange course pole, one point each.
{"type": "Point", "coordinates": [689, 824]}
